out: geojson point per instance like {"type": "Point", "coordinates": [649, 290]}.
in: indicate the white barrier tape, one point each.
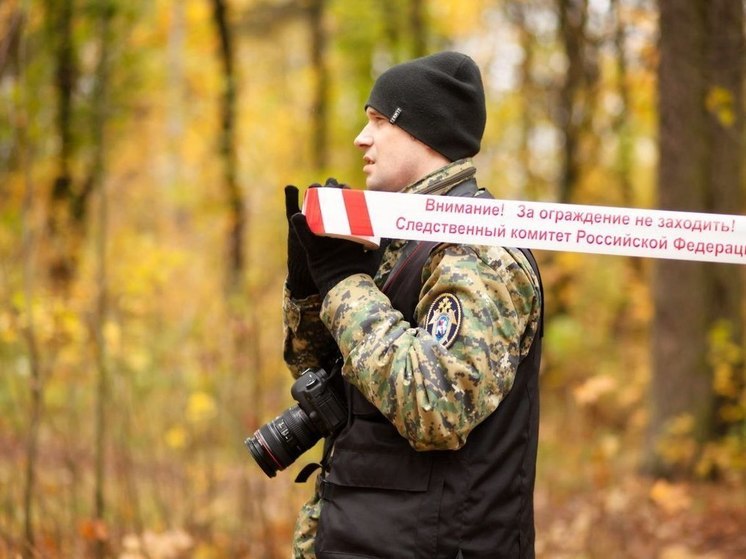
{"type": "Point", "coordinates": [367, 216]}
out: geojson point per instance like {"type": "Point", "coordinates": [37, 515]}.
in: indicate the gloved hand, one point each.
{"type": "Point", "coordinates": [331, 260]}
{"type": "Point", "coordinates": [300, 282]}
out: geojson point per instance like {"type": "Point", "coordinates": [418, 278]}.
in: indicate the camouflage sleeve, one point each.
{"type": "Point", "coordinates": [435, 395]}
{"type": "Point", "coordinates": [306, 341]}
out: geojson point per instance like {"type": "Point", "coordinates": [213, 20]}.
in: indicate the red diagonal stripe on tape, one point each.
{"type": "Point", "coordinates": [312, 211]}
{"type": "Point", "coordinates": [357, 213]}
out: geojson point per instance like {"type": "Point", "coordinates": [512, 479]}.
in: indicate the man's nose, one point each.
{"type": "Point", "coordinates": [364, 138]}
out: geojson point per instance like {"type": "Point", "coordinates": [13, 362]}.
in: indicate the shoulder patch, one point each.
{"type": "Point", "coordinates": [444, 319]}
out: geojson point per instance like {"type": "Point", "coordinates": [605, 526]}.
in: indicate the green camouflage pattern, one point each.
{"type": "Point", "coordinates": [307, 342]}
{"type": "Point", "coordinates": [304, 535]}
{"type": "Point", "coordinates": [433, 395]}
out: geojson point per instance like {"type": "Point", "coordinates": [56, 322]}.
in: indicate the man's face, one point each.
{"type": "Point", "coordinates": [393, 158]}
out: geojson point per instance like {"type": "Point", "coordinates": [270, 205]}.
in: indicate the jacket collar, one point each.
{"type": "Point", "coordinates": [445, 178]}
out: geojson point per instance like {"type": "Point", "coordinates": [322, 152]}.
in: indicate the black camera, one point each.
{"type": "Point", "coordinates": [319, 413]}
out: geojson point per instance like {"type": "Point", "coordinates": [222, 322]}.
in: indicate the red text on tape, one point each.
{"type": "Point", "coordinates": [368, 216]}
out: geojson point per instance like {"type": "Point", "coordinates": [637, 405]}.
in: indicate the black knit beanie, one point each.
{"type": "Point", "coordinates": [438, 99]}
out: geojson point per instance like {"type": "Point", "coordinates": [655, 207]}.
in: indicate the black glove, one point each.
{"type": "Point", "coordinates": [331, 260]}
{"type": "Point", "coordinates": [300, 282]}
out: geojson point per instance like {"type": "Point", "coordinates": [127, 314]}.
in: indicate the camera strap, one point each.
{"type": "Point", "coordinates": [306, 472]}
{"type": "Point", "coordinates": [309, 469]}
{"type": "Point", "coordinates": [403, 284]}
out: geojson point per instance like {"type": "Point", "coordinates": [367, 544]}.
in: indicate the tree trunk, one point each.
{"type": "Point", "coordinates": [621, 127]}
{"type": "Point", "coordinates": [698, 165]}
{"type": "Point", "coordinates": [11, 39]}
{"type": "Point", "coordinates": [572, 15]}
{"type": "Point", "coordinates": [29, 249]}
{"type": "Point", "coordinates": [105, 13]}
{"type": "Point", "coordinates": [572, 113]}
{"type": "Point", "coordinates": [36, 377]}
{"type": "Point", "coordinates": [68, 203]}
{"type": "Point", "coordinates": [237, 214]}
{"type": "Point", "coordinates": [320, 102]}
{"type": "Point", "coordinates": [725, 122]}
{"type": "Point", "coordinates": [391, 31]}
{"type": "Point", "coordinates": [621, 122]}
{"type": "Point", "coordinates": [516, 12]}
{"type": "Point", "coordinates": [418, 28]}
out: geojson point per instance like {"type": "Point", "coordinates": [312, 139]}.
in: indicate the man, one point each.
{"type": "Point", "coordinates": [440, 348]}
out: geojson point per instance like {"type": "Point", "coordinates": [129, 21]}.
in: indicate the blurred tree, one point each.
{"type": "Point", "coordinates": [37, 377]}
{"type": "Point", "coordinates": [724, 104]}
{"type": "Point", "coordinates": [407, 36]}
{"type": "Point", "coordinates": [12, 25]}
{"type": "Point", "coordinates": [620, 123]}
{"type": "Point", "coordinates": [69, 197]}
{"type": "Point", "coordinates": [104, 12]}
{"type": "Point", "coordinates": [517, 13]}
{"type": "Point", "coordinates": [573, 114]}
{"type": "Point", "coordinates": [577, 93]}
{"type": "Point", "coordinates": [265, 19]}
{"type": "Point", "coordinates": [391, 31]}
{"type": "Point", "coordinates": [418, 27]}
{"type": "Point", "coordinates": [236, 210]}
{"type": "Point", "coordinates": [320, 102]}
{"type": "Point", "coordinates": [13, 57]}
{"type": "Point", "coordinates": [701, 59]}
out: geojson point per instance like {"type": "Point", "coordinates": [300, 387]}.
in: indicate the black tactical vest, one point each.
{"type": "Point", "coordinates": [383, 499]}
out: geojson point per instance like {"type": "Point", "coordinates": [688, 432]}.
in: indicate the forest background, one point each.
{"type": "Point", "coordinates": [143, 151]}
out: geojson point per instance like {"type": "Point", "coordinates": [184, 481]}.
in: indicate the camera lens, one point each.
{"type": "Point", "coordinates": [278, 443]}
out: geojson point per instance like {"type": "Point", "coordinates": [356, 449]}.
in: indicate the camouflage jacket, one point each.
{"type": "Point", "coordinates": [434, 396]}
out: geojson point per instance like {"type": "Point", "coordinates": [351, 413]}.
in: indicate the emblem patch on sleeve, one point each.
{"type": "Point", "coordinates": [444, 319]}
